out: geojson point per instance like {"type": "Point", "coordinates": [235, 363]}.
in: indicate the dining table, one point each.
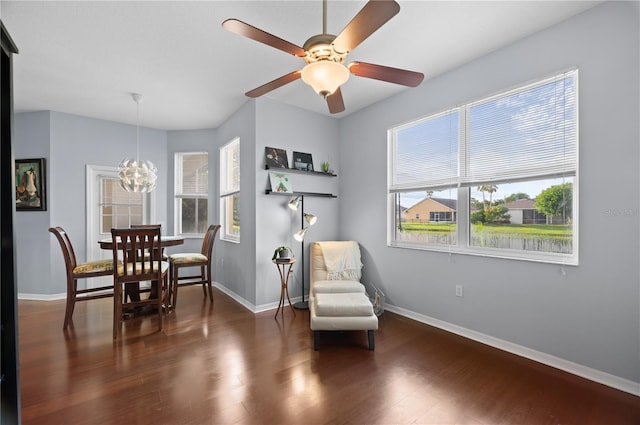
{"type": "Point", "coordinates": [133, 290]}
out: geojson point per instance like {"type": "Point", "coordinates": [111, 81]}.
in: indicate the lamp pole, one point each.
{"type": "Point", "coordinates": [302, 305]}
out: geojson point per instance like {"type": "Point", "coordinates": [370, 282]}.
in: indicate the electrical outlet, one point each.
{"type": "Point", "coordinates": [459, 291]}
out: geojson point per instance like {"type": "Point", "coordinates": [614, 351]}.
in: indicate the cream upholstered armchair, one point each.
{"type": "Point", "coordinates": [337, 298]}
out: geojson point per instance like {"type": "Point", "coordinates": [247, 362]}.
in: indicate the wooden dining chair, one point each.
{"type": "Point", "coordinates": [77, 271]}
{"type": "Point", "coordinates": [131, 246]}
{"type": "Point", "coordinates": [201, 261]}
{"type": "Point", "coordinates": [150, 226]}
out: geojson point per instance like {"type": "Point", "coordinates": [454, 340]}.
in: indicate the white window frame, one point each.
{"type": "Point", "coordinates": [179, 194]}
{"type": "Point", "coordinates": [460, 190]}
{"type": "Point", "coordinates": [229, 190]}
{"type": "Point", "coordinates": [93, 176]}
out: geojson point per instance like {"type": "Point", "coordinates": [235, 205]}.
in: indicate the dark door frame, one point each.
{"type": "Point", "coordinates": [9, 360]}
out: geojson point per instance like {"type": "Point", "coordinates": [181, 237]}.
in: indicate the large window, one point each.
{"type": "Point", "coordinates": [230, 190]}
{"type": "Point", "coordinates": [191, 192]}
{"type": "Point", "coordinates": [494, 177]}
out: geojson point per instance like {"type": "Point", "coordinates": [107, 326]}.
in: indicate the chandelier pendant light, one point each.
{"type": "Point", "coordinates": [136, 175]}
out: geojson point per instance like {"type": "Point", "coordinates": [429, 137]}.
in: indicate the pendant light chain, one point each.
{"type": "Point", "coordinates": [136, 175]}
{"type": "Point", "coordinates": [137, 129]}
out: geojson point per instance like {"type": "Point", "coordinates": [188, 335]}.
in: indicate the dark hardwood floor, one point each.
{"type": "Point", "coordinates": [222, 364]}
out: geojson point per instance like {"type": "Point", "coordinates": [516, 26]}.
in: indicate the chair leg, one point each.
{"type": "Point", "coordinates": [316, 340]}
{"type": "Point", "coordinates": [174, 286]}
{"type": "Point", "coordinates": [71, 303]}
{"type": "Point", "coordinates": [162, 292]}
{"type": "Point", "coordinates": [167, 295]}
{"type": "Point", "coordinates": [210, 283]}
{"type": "Point", "coordinates": [372, 344]}
{"type": "Point", "coordinates": [210, 290]}
{"type": "Point", "coordinates": [117, 310]}
{"type": "Point", "coordinates": [204, 286]}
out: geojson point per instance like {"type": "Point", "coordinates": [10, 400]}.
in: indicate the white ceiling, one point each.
{"type": "Point", "coordinates": [87, 57]}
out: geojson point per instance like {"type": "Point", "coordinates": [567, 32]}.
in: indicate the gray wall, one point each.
{"type": "Point", "coordinates": [591, 315]}
{"type": "Point", "coordinates": [32, 140]}
{"type": "Point", "coordinates": [286, 127]}
{"type": "Point", "coordinates": [235, 267]}
{"type": "Point", "coordinates": [69, 143]}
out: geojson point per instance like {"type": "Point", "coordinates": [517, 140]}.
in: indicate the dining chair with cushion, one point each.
{"type": "Point", "coordinates": [77, 271]}
{"type": "Point", "coordinates": [131, 246]}
{"type": "Point", "coordinates": [201, 261]}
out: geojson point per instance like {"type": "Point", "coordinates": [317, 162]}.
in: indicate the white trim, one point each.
{"type": "Point", "coordinates": [41, 297]}
{"type": "Point", "coordinates": [246, 304]}
{"type": "Point", "coordinates": [591, 374]}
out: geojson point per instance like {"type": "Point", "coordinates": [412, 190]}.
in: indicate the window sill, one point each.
{"type": "Point", "coordinates": [563, 260]}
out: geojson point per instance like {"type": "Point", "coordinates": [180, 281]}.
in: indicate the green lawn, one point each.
{"type": "Point", "coordinates": [551, 231]}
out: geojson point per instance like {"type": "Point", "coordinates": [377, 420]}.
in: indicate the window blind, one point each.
{"type": "Point", "coordinates": [195, 174]}
{"type": "Point", "coordinates": [425, 153]}
{"type": "Point", "coordinates": [526, 133]}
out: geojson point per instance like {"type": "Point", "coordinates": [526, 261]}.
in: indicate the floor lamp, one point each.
{"type": "Point", "coordinates": [310, 219]}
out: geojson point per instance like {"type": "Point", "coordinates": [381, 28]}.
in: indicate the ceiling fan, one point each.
{"type": "Point", "coordinates": [324, 54]}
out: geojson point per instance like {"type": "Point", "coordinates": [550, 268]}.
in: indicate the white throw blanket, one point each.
{"type": "Point", "coordinates": [342, 260]}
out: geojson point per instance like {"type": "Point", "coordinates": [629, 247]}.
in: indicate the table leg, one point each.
{"type": "Point", "coordinates": [284, 287]}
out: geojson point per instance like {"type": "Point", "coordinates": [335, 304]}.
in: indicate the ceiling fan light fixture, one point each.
{"type": "Point", "coordinates": [325, 76]}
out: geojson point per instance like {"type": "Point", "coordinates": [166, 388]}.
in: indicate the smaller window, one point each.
{"type": "Point", "coordinates": [191, 192]}
{"type": "Point", "coordinates": [230, 190]}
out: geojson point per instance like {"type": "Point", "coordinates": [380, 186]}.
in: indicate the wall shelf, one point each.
{"type": "Point", "coordinates": [316, 194]}
{"type": "Point", "coordinates": [294, 170]}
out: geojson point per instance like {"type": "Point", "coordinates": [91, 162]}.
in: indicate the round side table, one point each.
{"type": "Point", "coordinates": [285, 272]}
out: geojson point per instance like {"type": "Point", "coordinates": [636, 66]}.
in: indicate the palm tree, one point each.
{"type": "Point", "coordinates": [491, 188]}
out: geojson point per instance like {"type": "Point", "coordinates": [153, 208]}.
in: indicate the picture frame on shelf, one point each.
{"type": "Point", "coordinates": [302, 161]}
{"type": "Point", "coordinates": [31, 184]}
{"type": "Point", "coordinates": [280, 182]}
{"type": "Point", "coordinates": [275, 157]}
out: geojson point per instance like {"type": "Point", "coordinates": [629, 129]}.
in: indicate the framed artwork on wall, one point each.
{"type": "Point", "coordinates": [276, 158]}
{"type": "Point", "coordinates": [31, 184]}
{"type": "Point", "coordinates": [302, 161]}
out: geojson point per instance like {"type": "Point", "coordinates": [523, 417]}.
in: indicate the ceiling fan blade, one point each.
{"type": "Point", "coordinates": [371, 17]}
{"type": "Point", "coordinates": [385, 73]}
{"type": "Point", "coordinates": [272, 85]}
{"type": "Point", "coordinates": [238, 27]}
{"type": "Point", "coordinates": [335, 102]}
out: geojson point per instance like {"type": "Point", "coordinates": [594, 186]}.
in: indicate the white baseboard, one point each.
{"type": "Point", "coordinates": [246, 304]}
{"type": "Point", "coordinates": [595, 375]}
{"type": "Point", "coordinates": [41, 297]}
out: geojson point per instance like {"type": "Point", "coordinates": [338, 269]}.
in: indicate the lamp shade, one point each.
{"type": "Point", "coordinates": [325, 76]}
{"type": "Point", "coordinates": [293, 204]}
{"type": "Point", "coordinates": [137, 176]}
{"type": "Point", "coordinates": [299, 235]}
{"type": "Point", "coordinates": [310, 218]}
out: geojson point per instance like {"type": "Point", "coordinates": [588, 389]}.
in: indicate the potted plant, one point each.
{"type": "Point", "coordinates": [325, 167]}
{"type": "Point", "coordinates": [283, 252]}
